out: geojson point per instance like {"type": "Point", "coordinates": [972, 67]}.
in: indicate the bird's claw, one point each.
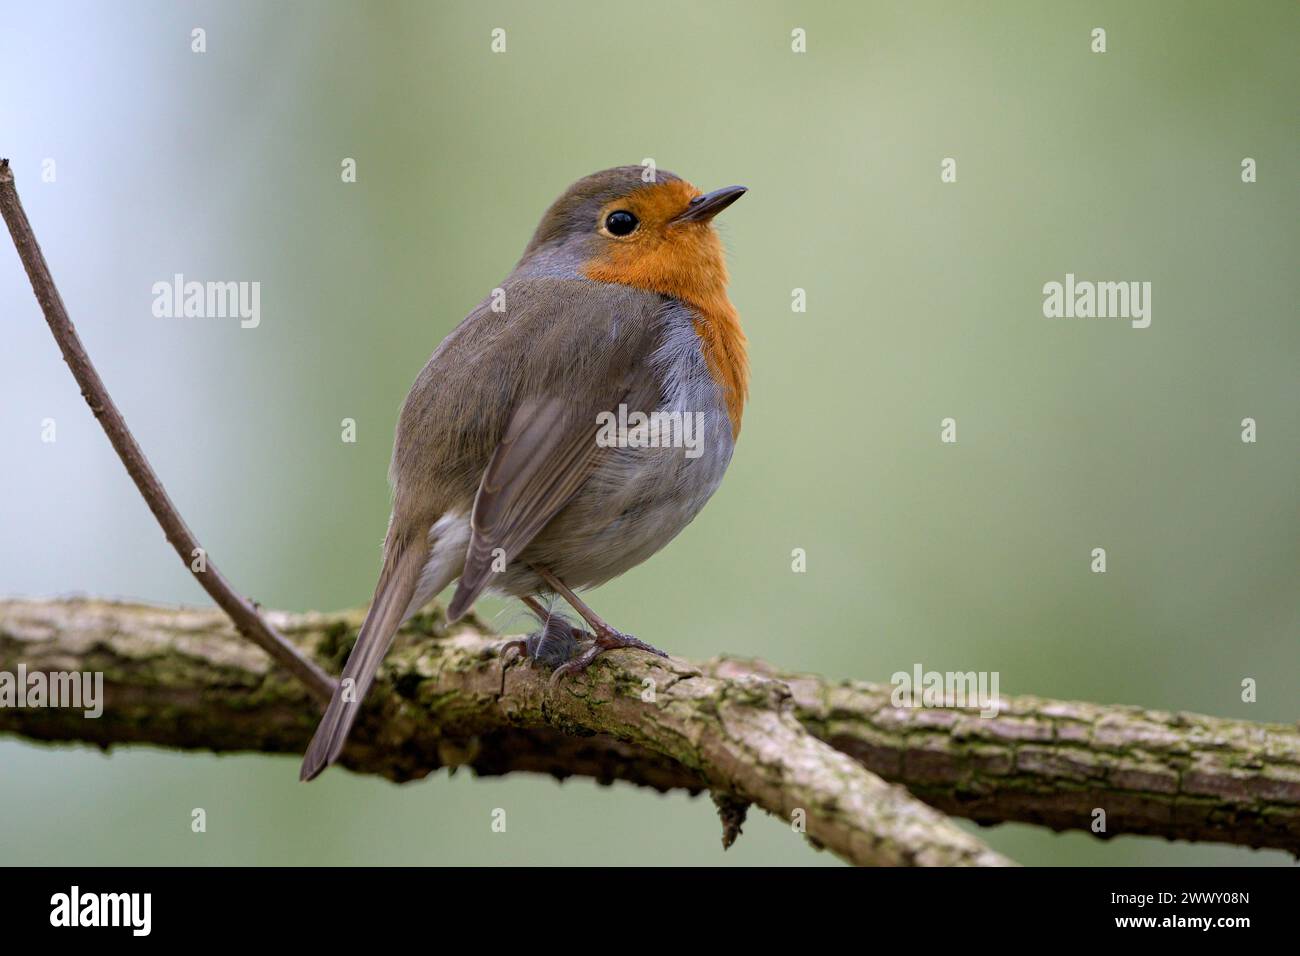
{"type": "Point", "coordinates": [605, 640]}
{"type": "Point", "coordinates": [577, 665]}
{"type": "Point", "coordinates": [567, 649]}
{"type": "Point", "coordinates": [512, 649]}
{"type": "Point", "coordinates": [612, 640]}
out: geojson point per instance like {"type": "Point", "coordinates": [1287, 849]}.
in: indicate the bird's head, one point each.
{"type": "Point", "coordinates": [654, 235]}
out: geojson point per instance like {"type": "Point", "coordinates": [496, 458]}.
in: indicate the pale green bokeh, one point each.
{"type": "Point", "coordinates": [924, 301]}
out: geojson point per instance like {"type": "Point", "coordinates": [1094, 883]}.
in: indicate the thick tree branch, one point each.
{"type": "Point", "coordinates": [1181, 775]}
{"type": "Point", "coordinates": [239, 608]}
{"type": "Point", "coordinates": [182, 679]}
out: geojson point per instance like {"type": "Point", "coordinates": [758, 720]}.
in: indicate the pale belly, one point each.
{"type": "Point", "coordinates": [628, 510]}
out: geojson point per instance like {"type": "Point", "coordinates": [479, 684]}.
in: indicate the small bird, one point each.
{"type": "Point", "coordinates": [504, 473]}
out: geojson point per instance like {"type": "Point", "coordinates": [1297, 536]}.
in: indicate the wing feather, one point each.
{"type": "Point", "coordinates": [547, 453]}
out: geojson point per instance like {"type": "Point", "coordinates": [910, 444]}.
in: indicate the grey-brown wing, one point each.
{"type": "Point", "coordinates": [597, 358]}
{"type": "Point", "coordinates": [548, 451]}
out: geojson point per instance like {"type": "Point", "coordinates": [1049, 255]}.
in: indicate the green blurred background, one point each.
{"type": "Point", "coordinates": [924, 301]}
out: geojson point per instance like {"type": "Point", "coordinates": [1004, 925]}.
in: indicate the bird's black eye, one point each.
{"type": "Point", "coordinates": [620, 222]}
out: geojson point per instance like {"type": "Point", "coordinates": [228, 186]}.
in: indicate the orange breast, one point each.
{"type": "Point", "coordinates": [685, 261]}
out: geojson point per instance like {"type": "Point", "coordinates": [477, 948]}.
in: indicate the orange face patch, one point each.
{"type": "Point", "coordinates": [683, 260]}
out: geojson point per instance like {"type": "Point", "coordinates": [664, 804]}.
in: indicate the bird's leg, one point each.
{"type": "Point", "coordinates": [554, 644]}
{"type": "Point", "coordinates": [606, 637]}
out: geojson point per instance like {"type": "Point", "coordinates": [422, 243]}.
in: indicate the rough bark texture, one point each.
{"type": "Point", "coordinates": [1053, 763]}
{"type": "Point", "coordinates": [741, 729]}
{"type": "Point", "coordinates": [447, 698]}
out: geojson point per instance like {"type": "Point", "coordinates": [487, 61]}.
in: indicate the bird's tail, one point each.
{"type": "Point", "coordinates": [403, 561]}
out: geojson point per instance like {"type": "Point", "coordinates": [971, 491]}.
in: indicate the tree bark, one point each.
{"type": "Point", "coordinates": [805, 749]}
{"type": "Point", "coordinates": [184, 678]}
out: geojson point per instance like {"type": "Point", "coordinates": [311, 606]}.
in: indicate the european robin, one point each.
{"type": "Point", "coordinates": [507, 472]}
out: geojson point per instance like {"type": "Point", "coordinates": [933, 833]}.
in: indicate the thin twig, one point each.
{"type": "Point", "coordinates": [240, 610]}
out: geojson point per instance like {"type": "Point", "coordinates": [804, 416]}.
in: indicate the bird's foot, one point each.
{"type": "Point", "coordinates": [555, 643]}
{"type": "Point", "coordinates": [605, 639]}
{"type": "Point", "coordinates": [568, 649]}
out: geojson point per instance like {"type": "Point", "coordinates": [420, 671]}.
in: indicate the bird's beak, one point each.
{"type": "Point", "coordinates": [703, 208]}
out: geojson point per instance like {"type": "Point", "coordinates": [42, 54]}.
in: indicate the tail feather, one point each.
{"type": "Point", "coordinates": [397, 582]}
